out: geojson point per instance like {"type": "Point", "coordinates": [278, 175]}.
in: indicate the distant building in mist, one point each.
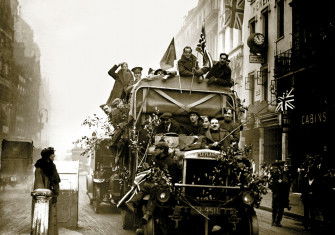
{"type": "Point", "coordinates": [206, 12]}
{"type": "Point", "coordinates": [21, 114]}
{"type": "Point", "coordinates": [7, 78]}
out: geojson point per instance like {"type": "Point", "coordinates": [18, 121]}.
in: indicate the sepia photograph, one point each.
{"type": "Point", "coordinates": [167, 117]}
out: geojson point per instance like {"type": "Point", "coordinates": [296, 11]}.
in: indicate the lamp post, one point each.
{"type": "Point", "coordinates": [46, 116]}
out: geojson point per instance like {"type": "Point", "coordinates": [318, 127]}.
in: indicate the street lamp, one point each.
{"type": "Point", "coordinates": [41, 112]}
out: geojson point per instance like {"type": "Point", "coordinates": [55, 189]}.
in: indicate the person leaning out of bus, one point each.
{"type": "Point", "coordinates": [220, 73]}
{"type": "Point", "coordinates": [47, 177]}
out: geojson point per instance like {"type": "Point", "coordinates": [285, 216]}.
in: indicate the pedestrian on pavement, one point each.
{"type": "Point", "coordinates": [310, 197]}
{"type": "Point", "coordinates": [47, 177]}
{"type": "Point", "coordinates": [220, 73]}
{"type": "Point", "coordinates": [279, 185]}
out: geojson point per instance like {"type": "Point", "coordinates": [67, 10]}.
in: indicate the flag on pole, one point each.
{"type": "Point", "coordinates": [201, 48]}
{"type": "Point", "coordinates": [234, 13]}
{"type": "Point", "coordinates": [285, 101]}
{"type": "Point", "coordinates": [169, 57]}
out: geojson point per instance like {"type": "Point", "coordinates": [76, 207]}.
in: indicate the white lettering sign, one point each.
{"type": "Point", "coordinates": [313, 118]}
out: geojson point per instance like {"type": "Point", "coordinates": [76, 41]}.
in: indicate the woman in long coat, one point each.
{"type": "Point", "coordinates": [123, 79]}
{"type": "Point", "coordinates": [47, 177]}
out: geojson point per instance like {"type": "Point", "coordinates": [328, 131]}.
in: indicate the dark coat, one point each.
{"type": "Point", "coordinates": [311, 194]}
{"type": "Point", "coordinates": [46, 176]}
{"type": "Point", "coordinates": [280, 187]}
{"type": "Point", "coordinates": [193, 129]}
{"type": "Point", "coordinates": [228, 127]}
{"type": "Point", "coordinates": [123, 79]}
{"type": "Point", "coordinates": [185, 66]}
{"type": "Point", "coordinates": [210, 139]}
{"type": "Point", "coordinates": [220, 74]}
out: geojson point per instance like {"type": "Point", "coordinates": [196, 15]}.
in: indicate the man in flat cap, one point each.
{"type": "Point", "coordinates": [220, 73]}
{"type": "Point", "coordinates": [168, 124]}
{"type": "Point", "coordinates": [137, 71]}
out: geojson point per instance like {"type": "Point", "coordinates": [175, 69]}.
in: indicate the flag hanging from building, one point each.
{"type": "Point", "coordinates": [234, 13]}
{"type": "Point", "coordinates": [285, 101]}
{"type": "Point", "coordinates": [201, 48]}
{"type": "Point", "coordinates": [169, 57]}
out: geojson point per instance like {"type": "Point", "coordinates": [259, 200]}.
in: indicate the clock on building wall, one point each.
{"type": "Point", "coordinates": [256, 43]}
{"type": "Point", "coordinates": [259, 39]}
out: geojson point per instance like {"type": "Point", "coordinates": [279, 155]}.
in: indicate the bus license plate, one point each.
{"type": "Point", "coordinates": [207, 210]}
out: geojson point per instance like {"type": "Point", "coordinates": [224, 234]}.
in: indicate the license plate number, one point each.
{"type": "Point", "coordinates": [207, 210]}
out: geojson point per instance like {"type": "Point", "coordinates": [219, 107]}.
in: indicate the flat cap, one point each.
{"type": "Point", "coordinates": [166, 115]}
{"type": "Point", "coordinates": [137, 69]}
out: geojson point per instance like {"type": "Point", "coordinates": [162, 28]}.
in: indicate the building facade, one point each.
{"type": "Point", "coordinates": [20, 76]}
{"type": "Point", "coordinates": [266, 31]}
{"type": "Point", "coordinates": [205, 13]}
{"type": "Point", "coordinates": [28, 116]}
{"type": "Point", "coordinates": [306, 66]}
{"type": "Point", "coordinates": [281, 59]}
{"type": "Point", "coordinates": [7, 79]}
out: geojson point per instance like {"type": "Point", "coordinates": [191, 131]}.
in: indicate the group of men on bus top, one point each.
{"type": "Point", "coordinates": [188, 66]}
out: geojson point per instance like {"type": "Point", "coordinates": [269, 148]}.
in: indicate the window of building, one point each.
{"type": "Point", "coordinates": [265, 86]}
{"type": "Point", "coordinates": [280, 18]}
{"type": "Point", "coordinates": [250, 86]}
{"type": "Point", "coordinates": [252, 26]}
{"type": "Point", "coordinates": [265, 26]}
{"type": "Point", "coordinates": [6, 69]}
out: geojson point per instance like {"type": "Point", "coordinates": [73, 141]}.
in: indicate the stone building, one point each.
{"type": "Point", "coordinates": [7, 79]}
{"type": "Point", "coordinates": [266, 31]}
{"type": "Point", "coordinates": [205, 13]}
{"type": "Point", "coordinates": [20, 76]}
{"type": "Point", "coordinates": [28, 119]}
{"type": "Point", "coordinates": [307, 67]}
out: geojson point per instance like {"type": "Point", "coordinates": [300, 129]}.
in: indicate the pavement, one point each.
{"type": "Point", "coordinates": [297, 208]}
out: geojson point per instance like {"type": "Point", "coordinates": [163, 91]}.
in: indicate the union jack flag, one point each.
{"type": "Point", "coordinates": [285, 101]}
{"type": "Point", "coordinates": [201, 48]}
{"type": "Point", "coordinates": [234, 13]}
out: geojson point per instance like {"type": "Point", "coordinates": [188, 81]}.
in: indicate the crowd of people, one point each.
{"type": "Point", "coordinates": [188, 67]}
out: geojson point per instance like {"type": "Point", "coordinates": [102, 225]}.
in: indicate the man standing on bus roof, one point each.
{"type": "Point", "coordinates": [188, 64]}
{"type": "Point", "coordinates": [220, 73]}
{"type": "Point", "coordinates": [137, 71]}
{"type": "Point", "coordinates": [123, 79]}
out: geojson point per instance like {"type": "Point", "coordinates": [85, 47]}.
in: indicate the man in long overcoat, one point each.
{"type": "Point", "coordinates": [47, 177]}
{"type": "Point", "coordinates": [123, 79]}
{"type": "Point", "coordinates": [280, 182]}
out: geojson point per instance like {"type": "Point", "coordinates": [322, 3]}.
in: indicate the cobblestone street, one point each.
{"type": "Point", "coordinates": [107, 222]}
